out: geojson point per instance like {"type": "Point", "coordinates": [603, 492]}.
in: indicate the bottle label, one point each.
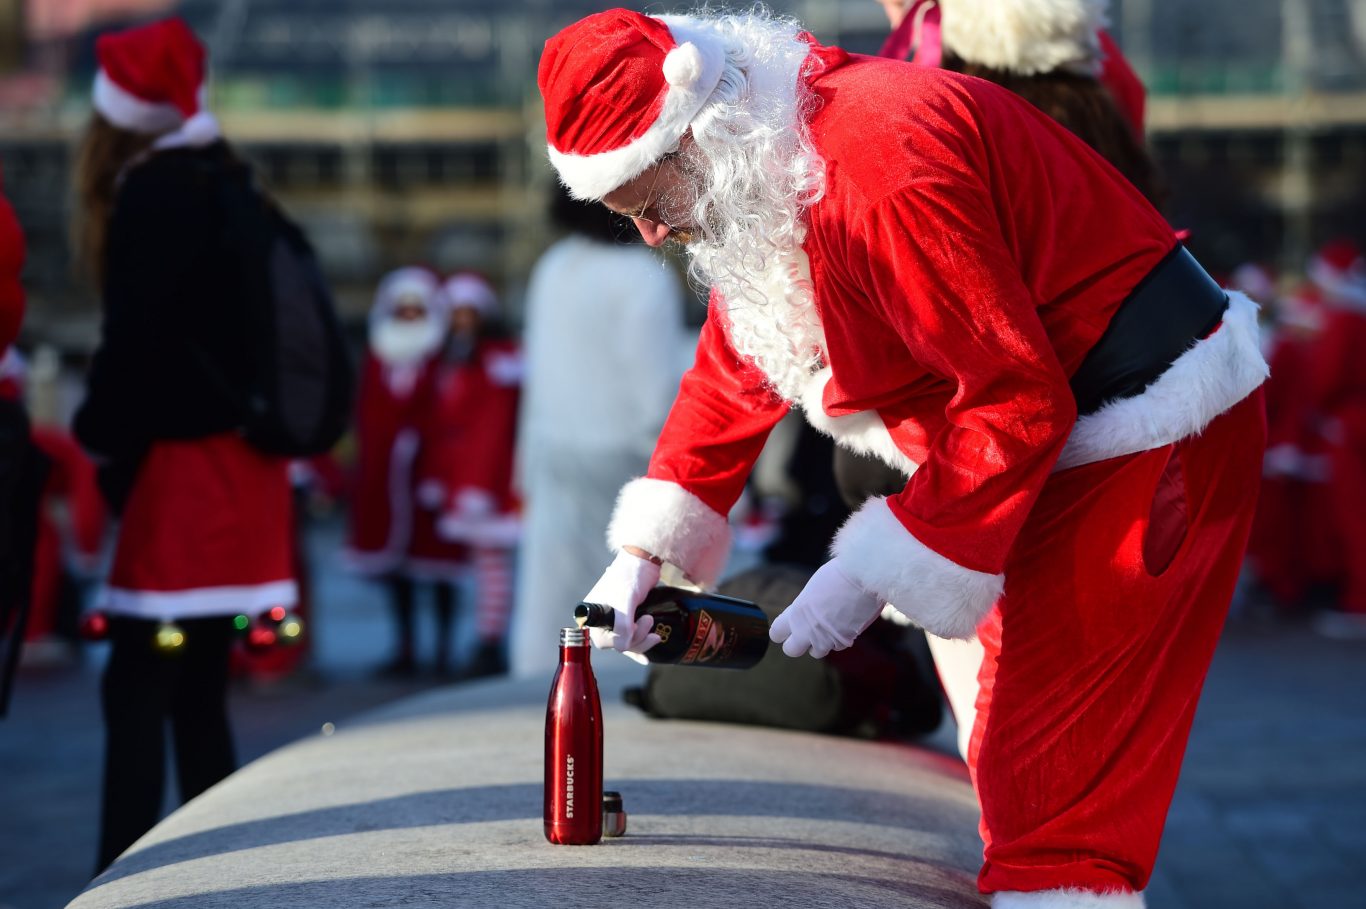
{"type": "Point", "coordinates": [569, 786]}
{"type": "Point", "coordinates": [708, 642]}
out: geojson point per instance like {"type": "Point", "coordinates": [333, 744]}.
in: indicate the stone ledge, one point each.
{"type": "Point", "coordinates": [436, 801]}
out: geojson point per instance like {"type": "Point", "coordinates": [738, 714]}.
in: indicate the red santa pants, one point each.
{"type": "Point", "coordinates": [1115, 597]}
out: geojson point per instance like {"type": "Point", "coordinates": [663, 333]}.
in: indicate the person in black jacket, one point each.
{"type": "Point", "coordinates": [205, 532]}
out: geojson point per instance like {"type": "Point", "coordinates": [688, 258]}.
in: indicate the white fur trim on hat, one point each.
{"type": "Point", "coordinates": [469, 291]}
{"type": "Point", "coordinates": [1215, 374]}
{"type": "Point", "coordinates": [862, 433]}
{"type": "Point", "coordinates": [1067, 898]}
{"type": "Point", "coordinates": [693, 69]}
{"type": "Point", "coordinates": [664, 519]}
{"type": "Point", "coordinates": [1026, 36]}
{"type": "Point", "coordinates": [127, 111]}
{"type": "Point", "coordinates": [884, 558]}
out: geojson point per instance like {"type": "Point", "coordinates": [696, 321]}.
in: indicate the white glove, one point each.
{"type": "Point", "coordinates": [623, 586]}
{"type": "Point", "coordinates": [827, 615]}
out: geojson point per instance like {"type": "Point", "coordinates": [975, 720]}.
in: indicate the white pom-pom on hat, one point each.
{"type": "Point", "coordinates": [683, 65]}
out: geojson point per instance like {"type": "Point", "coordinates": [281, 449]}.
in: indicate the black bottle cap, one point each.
{"type": "Point", "coordinates": [593, 615]}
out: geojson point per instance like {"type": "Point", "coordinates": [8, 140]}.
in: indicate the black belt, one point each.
{"type": "Point", "coordinates": [1174, 306]}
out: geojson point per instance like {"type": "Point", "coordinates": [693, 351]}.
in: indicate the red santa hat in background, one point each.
{"type": "Point", "coordinates": [151, 80]}
{"type": "Point", "coordinates": [620, 90]}
{"type": "Point", "coordinates": [469, 290]}
{"type": "Point", "coordinates": [1340, 272]}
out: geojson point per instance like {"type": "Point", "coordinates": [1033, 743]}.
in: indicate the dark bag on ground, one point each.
{"type": "Point", "coordinates": [879, 687]}
{"type": "Point", "coordinates": [302, 377]}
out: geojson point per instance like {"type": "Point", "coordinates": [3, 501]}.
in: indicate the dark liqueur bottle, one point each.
{"type": "Point", "coordinates": [695, 629]}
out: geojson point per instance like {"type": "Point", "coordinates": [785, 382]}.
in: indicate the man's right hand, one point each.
{"type": "Point", "coordinates": [622, 587]}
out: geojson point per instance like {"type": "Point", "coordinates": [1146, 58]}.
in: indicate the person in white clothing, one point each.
{"type": "Point", "coordinates": [604, 327]}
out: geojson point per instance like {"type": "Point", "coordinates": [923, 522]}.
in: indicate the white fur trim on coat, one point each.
{"type": "Point", "coordinates": [1026, 36]}
{"type": "Point", "coordinates": [198, 602]}
{"type": "Point", "coordinates": [1067, 898]}
{"type": "Point", "coordinates": [1215, 374]}
{"type": "Point", "coordinates": [862, 433]}
{"type": "Point", "coordinates": [197, 132]}
{"type": "Point", "coordinates": [884, 558]}
{"type": "Point", "coordinates": [693, 69]}
{"type": "Point", "coordinates": [666, 520]}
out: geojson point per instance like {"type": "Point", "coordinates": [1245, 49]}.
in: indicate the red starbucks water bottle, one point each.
{"type": "Point", "coordinates": [573, 747]}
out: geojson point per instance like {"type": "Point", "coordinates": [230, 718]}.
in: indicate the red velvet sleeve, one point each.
{"type": "Point", "coordinates": [11, 264]}
{"type": "Point", "coordinates": [935, 267]}
{"type": "Point", "coordinates": [719, 422]}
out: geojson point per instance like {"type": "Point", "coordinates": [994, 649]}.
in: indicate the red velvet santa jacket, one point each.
{"type": "Point", "coordinates": [387, 435]}
{"type": "Point", "coordinates": [966, 255]}
{"type": "Point", "coordinates": [470, 425]}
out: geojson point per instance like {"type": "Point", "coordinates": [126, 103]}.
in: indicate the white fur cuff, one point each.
{"type": "Point", "coordinates": [939, 595]}
{"type": "Point", "coordinates": [1067, 899]}
{"type": "Point", "coordinates": [666, 520]}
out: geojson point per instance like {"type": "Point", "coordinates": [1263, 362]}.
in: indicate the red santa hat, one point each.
{"type": "Point", "coordinates": [620, 90]}
{"type": "Point", "coordinates": [1340, 271]}
{"type": "Point", "coordinates": [1026, 36]}
{"type": "Point", "coordinates": [468, 290]}
{"type": "Point", "coordinates": [151, 80]}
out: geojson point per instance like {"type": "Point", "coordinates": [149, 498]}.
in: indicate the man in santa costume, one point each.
{"type": "Point", "coordinates": [466, 517]}
{"type": "Point", "coordinates": [1067, 66]}
{"type": "Point", "coordinates": [969, 292]}
{"type": "Point", "coordinates": [1337, 408]}
{"type": "Point", "coordinates": [407, 327]}
{"type": "Point", "coordinates": [1295, 545]}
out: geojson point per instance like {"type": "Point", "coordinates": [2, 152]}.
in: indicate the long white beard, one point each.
{"type": "Point", "coordinates": [756, 173]}
{"type": "Point", "coordinates": [404, 343]}
{"type": "Point", "coordinates": [772, 320]}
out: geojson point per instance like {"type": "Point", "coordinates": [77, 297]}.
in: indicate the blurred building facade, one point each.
{"type": "Point", "coordinates": [401, 131]}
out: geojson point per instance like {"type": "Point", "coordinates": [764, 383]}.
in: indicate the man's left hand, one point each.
{"type": "Point", "coordinates": [827, 615]}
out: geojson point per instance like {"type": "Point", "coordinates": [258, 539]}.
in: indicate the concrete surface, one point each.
{"type": "Point", "coordinates": [437, 802]}
{"type": "Point", "coordinates": [1270, 812]}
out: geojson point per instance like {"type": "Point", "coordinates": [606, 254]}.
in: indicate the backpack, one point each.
{"type": "Point", "coordinates": [299, 403]}
{"type": "Point", "coordinates": [882, 686]}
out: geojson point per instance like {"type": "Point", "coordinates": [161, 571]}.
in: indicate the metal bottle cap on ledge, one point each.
{"type": "Point", "coordinates": [613, 814]}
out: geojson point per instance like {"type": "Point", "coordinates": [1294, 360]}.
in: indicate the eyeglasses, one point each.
{"type": "Point", "coordinates": [639, 214]}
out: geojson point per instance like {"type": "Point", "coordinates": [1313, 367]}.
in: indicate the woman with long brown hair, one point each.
{"type": "Point", "coordinates": [205, 517]}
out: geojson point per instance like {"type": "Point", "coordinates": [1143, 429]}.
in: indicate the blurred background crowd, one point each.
{"type": "Point", "coordinates": [517, 352]}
